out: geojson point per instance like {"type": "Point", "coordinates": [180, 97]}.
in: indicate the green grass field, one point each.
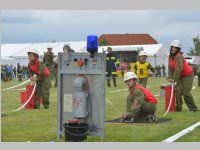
{"type": "Point", "coordinates": [41, 125]}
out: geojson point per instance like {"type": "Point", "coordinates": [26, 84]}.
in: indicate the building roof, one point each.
{"type": "Point", "coordinates": [127, 39]}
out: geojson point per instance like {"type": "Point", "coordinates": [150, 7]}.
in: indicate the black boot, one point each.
{"type": "Point", "coordinates": [108, 82]}
{"type": "Point", "coordinates": [114, 82]}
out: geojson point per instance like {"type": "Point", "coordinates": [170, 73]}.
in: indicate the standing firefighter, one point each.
{"type": "Point", "coordinates": [198, 74]}
{"type": "Point", "coordinates": [42, 80]}
{"type": "Point", "coordinates": [19, 72]}
{"type": "Point", "coordinates": [48, 61]}
{"type": "Point", "coordinates": [141, 103]}
{"type": "Point", "coordinates": [181, 73]}
{"type": "Point", "coordinates": [142, 67]}
{"type": "Point", "coordinates": [111, 67]}
{"type": "Point", "coordinates": [163, 70]}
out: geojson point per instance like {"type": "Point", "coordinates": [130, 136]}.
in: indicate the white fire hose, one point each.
{"type": "Point", "coordinates": [17, 85]}
{"type": "Point", "coordinates": [27, 101]}
{"type": "Point", "coordinates": [22, 89]}
{"type": "Point", "coordinates": [170, 101]}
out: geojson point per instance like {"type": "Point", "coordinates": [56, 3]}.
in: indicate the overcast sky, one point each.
{"type": "Point", "coordinates": [46, 26]}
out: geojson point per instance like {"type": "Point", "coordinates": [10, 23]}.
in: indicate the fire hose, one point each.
{"type": "Point", "coordinates": [170, 101]}
{"type": "Point", "coordinates": [19, 89]}
{"type": "Point", "coordinates": [17, 85]}
{"type": "Point", "coordinates": [21, 107]}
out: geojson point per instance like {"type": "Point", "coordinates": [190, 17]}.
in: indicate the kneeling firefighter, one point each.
{"type": "Point", "coordinates": [42, 79]}
{"type": "Point", "coordinates": [141, 103]}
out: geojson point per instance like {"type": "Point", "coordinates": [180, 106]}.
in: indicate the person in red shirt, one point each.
{"type": "Point", "coordinates": [181, 73]}
{"type": "Point", "coordinates": [141, 103]}
{"type": "Point", "coordinates": [42, 78]}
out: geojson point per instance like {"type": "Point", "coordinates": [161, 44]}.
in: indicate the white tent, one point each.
{"type": "Point", "coordinates": [157, 53]}
{"type": "Point", "coordinates": [193, 59]}
{"type": "Point", "coordinates": [13, 53]}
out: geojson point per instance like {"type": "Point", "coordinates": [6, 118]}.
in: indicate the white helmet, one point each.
{"type": "Point", "coordinates": [176, 43]}
{"type": "Point", "coordinates": [142, 53]}
{"type": "Point", "coordinates": [35, 51]}
{"type": "Point", "coordinates": [130, 75]}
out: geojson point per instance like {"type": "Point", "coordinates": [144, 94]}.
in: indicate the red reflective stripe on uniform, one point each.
{"type": "Point", "coordinates": [149, 97]}
{"type": "Point", "coordinates": [34, 68]}
{"type": "Point", "coordinates": [187, 70]}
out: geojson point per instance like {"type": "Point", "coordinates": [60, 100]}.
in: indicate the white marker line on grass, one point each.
{"type": "Point", "coordinates": [119, 91]}
{"type": "Point", "coordinates": [181, 133]}
{"type": "Point", "coordinates": [127, 89]}
{"type": "Point", "coordinates": [109, 102]}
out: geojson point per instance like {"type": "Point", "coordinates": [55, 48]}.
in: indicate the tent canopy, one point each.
{"type": "Point", "coordinates": [150, 49]}
{"type": "Point", "coordinates": [20, 50]}
{"type": "Point", "coordinates": [157, 53]}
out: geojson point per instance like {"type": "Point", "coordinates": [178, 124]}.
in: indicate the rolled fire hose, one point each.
{"type": "Point", "coordinates": [17, 85]}
{"type": "Point", "coordinates": [170, 101]}
{"type": "Point", "coordinates": [21, 107]}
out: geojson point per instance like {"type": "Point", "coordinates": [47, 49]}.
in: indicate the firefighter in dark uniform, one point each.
{"type": "Point", "coordinates": [48, 61]}
{"type": "Point", "coordinates": [181, 73]}
{"type": "Point", "coordinates": [141, 103]}
{"type": "Point", "coordinates": [111, 67]}
{"type": "Point", "coordinates": [42, 79]}
{"type": "Point", "coordinates": [19, 72]}
{"type": "Point", "coordinates": [142, 67]}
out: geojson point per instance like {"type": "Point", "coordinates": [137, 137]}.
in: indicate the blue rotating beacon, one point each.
{"type": "Point", "coordinates": [92, 44]}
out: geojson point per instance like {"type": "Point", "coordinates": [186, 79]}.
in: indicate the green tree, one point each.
{"type": "Point", "coordinates": [104, 42]}
{"type": "Point", "coordinates": [196, 50]}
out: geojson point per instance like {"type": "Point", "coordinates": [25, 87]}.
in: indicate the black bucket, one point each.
{"type": "Point", "coordinates": [75, 132]}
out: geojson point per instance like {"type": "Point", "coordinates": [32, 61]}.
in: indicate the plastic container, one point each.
{"type": "Point", "coordinates": [29, 89]}
{"type": "Point", "coordinates": [167, 93]}
{"type": "Point", "coordinates": [23, 97]}
{"type": "Point", "coordinates": [30, 105]}
{"type": "Point", "coordinates": [75, 132]}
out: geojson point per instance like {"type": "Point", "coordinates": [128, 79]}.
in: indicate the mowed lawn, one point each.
{"type": "Point", "coordinates": [41, 125]}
